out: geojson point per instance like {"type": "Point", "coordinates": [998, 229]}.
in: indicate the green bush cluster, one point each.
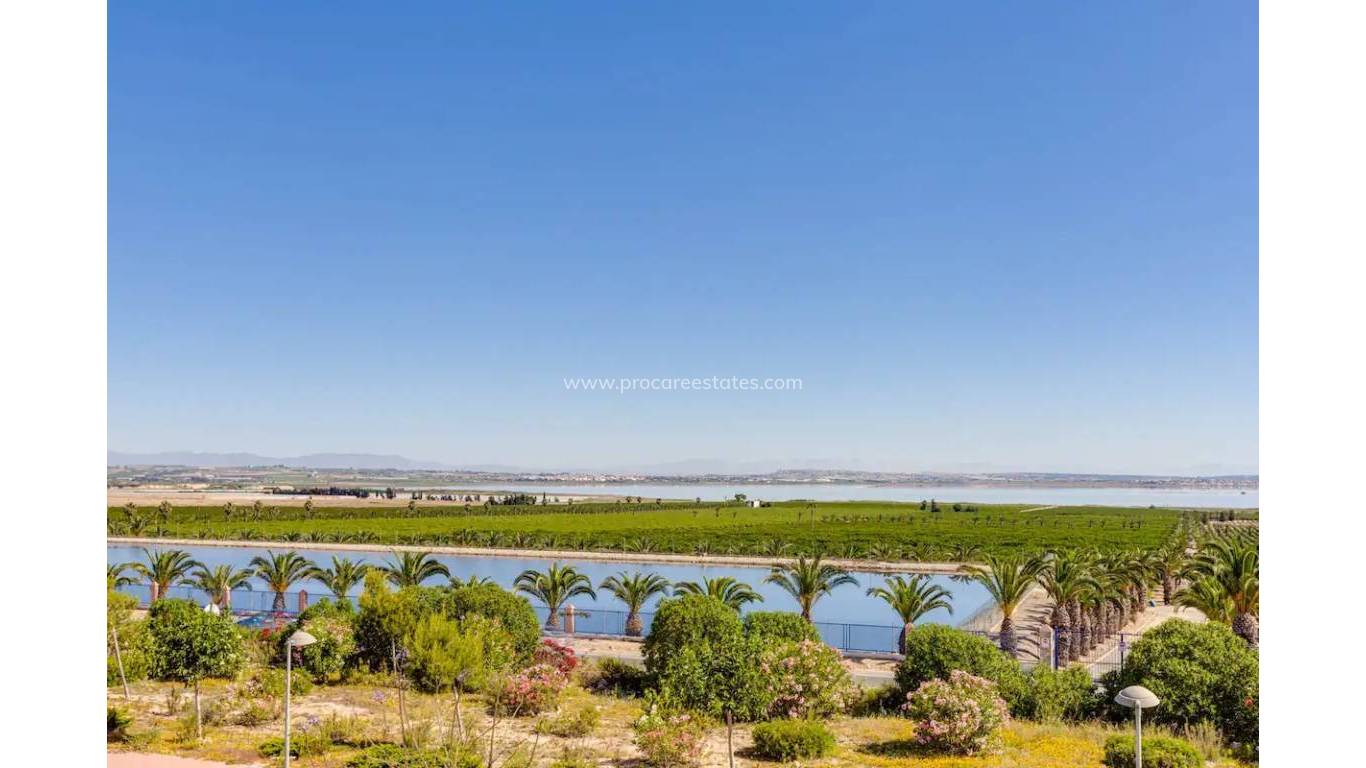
{"type": "Point", "coordinates": [132, 641]}
{"type": "Point", "coordinates": [333, 625]}
{"type": "Point", "coordinates": [118, 722]}
{"type": "Point", "coordinates": [699, 658]}
{"type": "Point", "coordinates": [702, 657]}
{"type": "Point", "coordinates": [431, 626]}
{"type": "Point", "coordinates": [512, 613]}
{"type": "Point", "coordinates": [934, 651]}
{"type": "Point", "coordinates": [779, 626]}
{"type": "Point", "coordinates": [615, 677]}
{"type": "Point", "coordinates": [788, 740]}
{"type": "Point", "coordinates": [1061, 695]}
{"type": "Point", "coordinates": [1201, 672]}
{"type": "Point", "coordinates": [1158, 752]}
{"type": "Point", "coordinates": [394, 756]}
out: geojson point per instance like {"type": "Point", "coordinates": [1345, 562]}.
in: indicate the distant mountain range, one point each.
{"type": "Point", "coordinates": [690, 470]}
{"type": "Point", "coordinates": [310, 461]}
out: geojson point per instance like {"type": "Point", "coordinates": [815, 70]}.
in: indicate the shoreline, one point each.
{"type": "Point", "coordinates": [657, 558]}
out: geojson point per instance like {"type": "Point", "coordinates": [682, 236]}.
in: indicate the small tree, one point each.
{"type": "Point", "coordinates": [442, 657]}
{"type": "Point", "coordinates": [189, 644]}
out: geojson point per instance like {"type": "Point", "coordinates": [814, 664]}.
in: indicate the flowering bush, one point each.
{"type": "Point", "coordinates": [557, 655]}
{"type": "Point", "coordinates": [805, 680]}
{"type": "Point", "coordinates": [670, 740]}
{"type": "Point", "coordinates": [962, 715]}
{"type": "Point", "coordinates": [533, 690]}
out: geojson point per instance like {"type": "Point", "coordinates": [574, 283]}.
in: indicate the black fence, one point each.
{"type": "Point", "coordinates": [256, 608]}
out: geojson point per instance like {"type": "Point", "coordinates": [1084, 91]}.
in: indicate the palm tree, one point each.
{"type": "Point", "coordinates": [343, 576]}
{"type": "Point", "coordinates": [1067, 580]}
{"type": "Point", "coordinates": [727, 589]}
{"type": "Point", "coordinates": [220, 581]}
{"type": "Point", "coordinates": [1207, 596]}
{"type": "Point", "coordinates": [164, 569]}
{"type": "Point", "coordinates": [280, 572]}
{"type": "Point", "coordinates": [1168, 564]}
{"type": "Point", "coordinates": [554, 587]}
{"type": "Point", "coordinates": [117, 575]}
{"type": "Point", "coordinates": [1007, 579]}
{"type": "Point", "coordinates": [1235, 568]}
{"type": "Point", "coordinates": [635, 590]}
{"type": "Point", "coordinates": [472, 581]}
{"type": "Point", "coordinates": [413, 568]}
{"type": "Point", "coordinates": [912, 598]}
{"type": "Point", "coordinates": [809, 581]}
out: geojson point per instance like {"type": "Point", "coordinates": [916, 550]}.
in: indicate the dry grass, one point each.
{"type": "Point", "coordinates": [370, 709]}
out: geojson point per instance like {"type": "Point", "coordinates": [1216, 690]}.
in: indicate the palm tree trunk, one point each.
{"type": "Point", "coordinates": [1168, 589]}
{"type": "Point", "coordinates": [553, 620]}
{"type": "Point", "coordinates": [905, 635]}
{"type": "Point", "coordinates": [1246, 626]}
{"type": "Point", "coordinates": [1061, 622]}
{"type": "Point", "coordinates": [1008, 635]}
{"type": "Point", "coordinates": [1074, 639]}
{"type": "Point", "coordinates": [1084, 634]}
{"type": "Point", "coordinates": [279, 604]}
{"type": "Point", "coordinates": [634, 626]}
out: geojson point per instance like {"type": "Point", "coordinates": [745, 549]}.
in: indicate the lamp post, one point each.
{"type": "Point", "coordinates": [297, 640]}
{"type": "Point", "coordinates": [1139, 698]}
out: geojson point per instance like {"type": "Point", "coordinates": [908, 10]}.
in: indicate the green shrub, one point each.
{"type": "Point", "coordinates": [572, 725]}
{"type": "Point", "coordinates": [1158, 752]}
{"type": "Point", "coordinates": [1201, 672]}
{"type": "Point", "coordinates": [334, 653]}
{"type": "Point", "coordinates": [385, 618]}
{"type": "Point", "coordinates": [510, 611]}
{"type": "Point", "coordinates": [118, 722]}
{"type": "Point", "coordinates": [133, 642]}
{"type": "Point", "coordinates": [269, 683]}
{"type": "Point", "coordinates": [256, 713]}
{"type": "Point", "coordinates": [779, 626]}
{"type": "Point", "coordinates": [394, 756]}
{"type": "Point", "coordinates": [615, 677]}
{"type": "Point", "coordinates": [934, 651]}
{"type": "Point", "coordinates": [441, 656]}
{"type": "Point", "coordinates": [575, 758]}
{"type": "Point", "coordinates": [300, 745]}
{"type": "Point", "coordinates": [1067, 694]}
{"type": "Point", "coordinates": [878, 702]}
{"type": "Point", "coordinates": [788, 740]}
{"type": "Point", "coordinates": [806, 680]}
{"type": "Point", "coordinates": [701, 660]}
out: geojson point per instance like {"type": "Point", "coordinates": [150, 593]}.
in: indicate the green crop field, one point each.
{"type": "Point", "coordinates": [877, 530]}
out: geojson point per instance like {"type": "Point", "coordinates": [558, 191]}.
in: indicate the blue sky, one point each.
{"type": "Point", "coordinates": [1001, 236]}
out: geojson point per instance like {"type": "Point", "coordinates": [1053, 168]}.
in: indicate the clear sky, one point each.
{"type": "Point", "coordinates": [1010, 236]}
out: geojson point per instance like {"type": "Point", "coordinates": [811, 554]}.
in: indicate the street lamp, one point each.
{"type": "Point", "coordinates": [1139, 698]}
{"type": "Point", "coordinates": [297, 640]}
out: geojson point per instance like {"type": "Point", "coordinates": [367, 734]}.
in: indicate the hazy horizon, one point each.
{"type": "Point", "coordinates": [1016, 239]}
{"type": "Point", "coordinates": [683, 467]}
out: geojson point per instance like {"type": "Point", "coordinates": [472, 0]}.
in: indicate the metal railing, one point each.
{"type": "Point", "coordinates": [252, 606]}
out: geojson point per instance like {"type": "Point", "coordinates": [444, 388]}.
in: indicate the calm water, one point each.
{"type": "Point", "coordinates": [1113, 497]}
{"type": "Point", "coordinates": [847, 604]}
